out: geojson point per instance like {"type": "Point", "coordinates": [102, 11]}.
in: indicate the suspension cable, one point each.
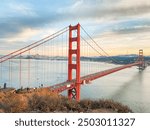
{"type": "Point", "coordinates": [36, 44]}
{"type": "Point", "coordinates": [107, 55]}
{"type": "Point", "coordinates": [91, 46]}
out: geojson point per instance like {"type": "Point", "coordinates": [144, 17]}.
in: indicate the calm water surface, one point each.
{"type": "Point", "coordinates": [128, 86]}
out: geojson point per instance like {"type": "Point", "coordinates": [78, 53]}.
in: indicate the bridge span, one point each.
{"type": "Point", "coordinates": [74, 53]}
{"type": "Point", "coordinates": [88, 78]}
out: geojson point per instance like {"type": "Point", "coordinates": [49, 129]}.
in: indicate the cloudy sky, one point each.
{"type": "Point", "coordinates": [119, 26]}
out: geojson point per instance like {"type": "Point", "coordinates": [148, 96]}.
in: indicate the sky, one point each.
{"type": "Point", "coordinates": [118, 26]}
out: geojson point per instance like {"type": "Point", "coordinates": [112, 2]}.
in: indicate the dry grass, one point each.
{"type": "Point", "coordinates": [111, 105]}
{"type": "Point", "coordinates": [46, 101]}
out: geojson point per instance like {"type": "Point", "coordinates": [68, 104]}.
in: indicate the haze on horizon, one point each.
{"type": "Point", "coordinates": [119, 26]}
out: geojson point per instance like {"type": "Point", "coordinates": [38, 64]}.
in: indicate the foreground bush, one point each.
{"type": "Point", "coordinates": [46, 101]}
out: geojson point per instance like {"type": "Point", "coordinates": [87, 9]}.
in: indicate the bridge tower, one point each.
{"type": "Point", "coordinates": [74, 93]}
{"type": "Point", "coordinates": [141, 59]}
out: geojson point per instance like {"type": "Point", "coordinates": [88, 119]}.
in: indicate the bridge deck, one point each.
{"type": "Point", "coordinates": [86, 79]}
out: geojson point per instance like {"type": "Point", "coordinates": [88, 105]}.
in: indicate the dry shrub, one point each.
{"type": "Point", "coordinates": [2, 111]}
{"type": "Point", "coordinates": [19, 103]}
{"type": "Point", "coordinates": [43, 103]}
{"type": "Point", "coordinates": [95, 105]}
{"type": "Point", "coordinates": [72, 106]}
{"type": "Point", "coordinates": [42, 100]}
{"type": "Point", "coordinates": [110, 104]}
{"type": "Point", "coordinates": [85, 104]}
{"type": "Point", "coordinates": [13, 103]}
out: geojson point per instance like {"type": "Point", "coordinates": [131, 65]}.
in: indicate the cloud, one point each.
{"type": "Point", "coordinates": [19, 39]}
{"type": "Point", "coordinates": [113, 17]}
{"type": "Point", "coordinates": [12, 20]}
{"type": "Point", "coordinates": [9, 28]}
{"type": "Point", "coordinates": [21, 16]}
{"type": "Point", "coordinates": [132, 26]}
{"type": "Point", "coordinates": [26, 15]}
{"type": "Point", "coordinates": [133, 30]}
{"type": "Point", "coordinates": [27, 33]}
{"type": "Point", "coordinates": [116, 44]}
{"type": "Point", "coordinates": [108, 15]}
{"type": "Point", "coordinates": [22, 9]}
{"type": "Point", "coordinates": [98, 9]}
{"type": "Point", "coordinates": [14, 25]}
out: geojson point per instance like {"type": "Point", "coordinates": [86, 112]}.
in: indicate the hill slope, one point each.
{"type": "Point", "coordinates": [45, 101]}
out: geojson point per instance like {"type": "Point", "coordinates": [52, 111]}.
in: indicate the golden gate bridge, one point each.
{"type": "Point", "coordinates": [72, 46]}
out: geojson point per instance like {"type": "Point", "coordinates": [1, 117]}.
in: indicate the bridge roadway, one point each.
{"type": "Point", "coordinates": [88, 78]}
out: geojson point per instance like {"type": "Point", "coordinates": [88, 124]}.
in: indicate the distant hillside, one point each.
{"type": "Point", "coordinates": [123, 59]}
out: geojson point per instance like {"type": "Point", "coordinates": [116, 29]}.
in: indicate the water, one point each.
{"type": "Point", "coordinates": [129, 86]}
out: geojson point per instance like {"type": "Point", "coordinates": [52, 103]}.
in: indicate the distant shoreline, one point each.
{"type": "Point", "coordinates": [123, 59]}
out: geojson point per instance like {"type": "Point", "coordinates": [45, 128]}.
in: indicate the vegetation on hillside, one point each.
{"type": "Point", "coordinates": [45, 101]}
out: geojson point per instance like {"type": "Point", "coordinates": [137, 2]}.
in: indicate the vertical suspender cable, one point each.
{"type": "Point", "coordinates": [66, 50]}
{"type": "Point", "coordinates": [37, 68]}
{"type": "Point", "coordinates": [49, 61]}
{"type": "Point", "coordinates": [11, 62]}
{"type": "Point", "coordinates": [62, 56]}
{"type": "Point", "coordinates": [29, 69]}
{"type": "Point", "coordinates": [89, 60]}
{"type": "Point", "coordinates": [44, 62]}
{"type": "Point", "coordinates": [1, 78]}
{"type": "Point", "coordinates": [20, 69]}
{"type": "Point", "coordinates": [9, 73]}
{"type": "Point", "coordinates": [52, 62]}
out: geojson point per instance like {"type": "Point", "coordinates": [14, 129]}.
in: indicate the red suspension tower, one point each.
{"type": "Point", "coordinates": [74, 93]}
{"type": "Point", "coordinates": [141, 59]}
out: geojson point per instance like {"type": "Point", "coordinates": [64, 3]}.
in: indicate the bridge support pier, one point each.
{"type": "Point", "coordinates": [74, 49]}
